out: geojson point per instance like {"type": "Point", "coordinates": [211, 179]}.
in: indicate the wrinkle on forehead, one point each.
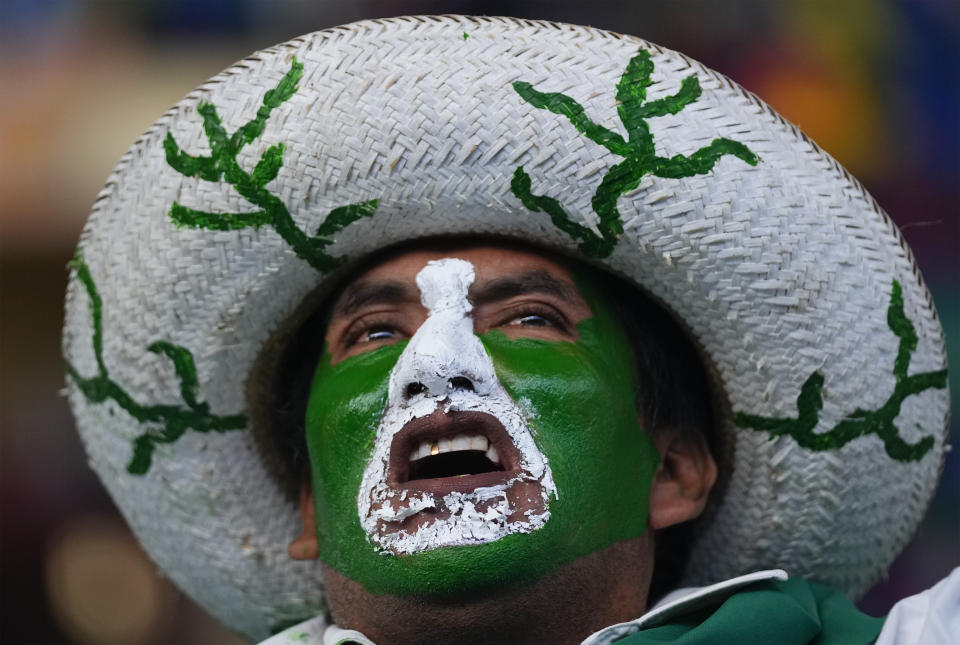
{"type": "Point", "coordinates": [370, 292]}
{"type": "Point", "coordinates": [534, 281]}
{"type": "Point", "coordinates": [388, 291]}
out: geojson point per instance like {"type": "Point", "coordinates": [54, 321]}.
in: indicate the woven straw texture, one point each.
{"type": "Point", "coordinates": [780, 269]}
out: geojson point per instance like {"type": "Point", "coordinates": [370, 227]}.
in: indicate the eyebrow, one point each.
{"type": "Point", "coordinates": [368, 293]}
{"type": "Point", "coordinates": [536, 281]}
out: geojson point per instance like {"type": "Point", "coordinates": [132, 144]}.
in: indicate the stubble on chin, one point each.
{"type": "Point", "coordinates": [600, 589]}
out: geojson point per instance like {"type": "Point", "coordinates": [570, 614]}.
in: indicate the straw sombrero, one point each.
{"type": "Point", "coordinates": [257, 191]}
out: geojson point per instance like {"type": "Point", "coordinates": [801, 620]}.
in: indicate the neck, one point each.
{"type": "Point", "coordinates": [566, 606]}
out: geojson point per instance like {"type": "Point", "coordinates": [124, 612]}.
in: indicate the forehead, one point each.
{"type": "Point", "coordinates": [490, 261]}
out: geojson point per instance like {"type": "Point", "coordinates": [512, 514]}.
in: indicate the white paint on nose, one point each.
{"type": "Point", "coordinates": [445, 347]}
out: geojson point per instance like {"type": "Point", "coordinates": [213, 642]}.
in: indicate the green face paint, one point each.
{"type": "Point", "coordinates": [584, 420]}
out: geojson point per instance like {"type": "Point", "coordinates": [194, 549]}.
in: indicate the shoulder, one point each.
{"type": "Point", "coordinates": [929, 617]}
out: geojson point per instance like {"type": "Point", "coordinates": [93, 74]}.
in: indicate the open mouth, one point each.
{"type": "Point", "coordinates": [455, 477]}
{"type": "Point", "coordinates": [452, 452]}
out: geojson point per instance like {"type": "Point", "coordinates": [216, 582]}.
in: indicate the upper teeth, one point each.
{"type": "Point", "coordinates": [457, 442]}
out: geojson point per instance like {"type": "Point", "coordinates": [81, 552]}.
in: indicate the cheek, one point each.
{"type": "Point", "coordinates": [346, 401]}
{"type": "Point", "coordinates": [572, 384]}
{"type": "Point", "coordinates": [565, 388]}
{"type": "Point", "coordinates": [582, 401]}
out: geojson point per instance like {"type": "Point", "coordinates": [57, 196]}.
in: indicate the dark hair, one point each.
{"type": "Point", "coordinates": [673, 395]}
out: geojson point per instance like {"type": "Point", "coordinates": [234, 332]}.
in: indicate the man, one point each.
{"type": "Point", "coordinates": [561, 350]}
{"type": "Point", "coordinates": [243, 209]}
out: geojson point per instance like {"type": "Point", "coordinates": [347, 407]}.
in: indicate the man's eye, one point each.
{"type": "Point", "coordinates": [532, 320]}
{"type": "Point", "coordinates": [378, 333]}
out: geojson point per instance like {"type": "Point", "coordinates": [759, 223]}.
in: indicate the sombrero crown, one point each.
{"type": "Point", "coordinates": [264, 185]}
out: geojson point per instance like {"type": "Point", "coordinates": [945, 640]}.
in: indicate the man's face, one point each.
{"type": "Point", "coordinates": [472, 422]}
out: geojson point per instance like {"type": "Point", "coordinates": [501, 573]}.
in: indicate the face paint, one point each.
{"type": "Point", "coordinates": [577, 400]}
{"type": "Point", "coordinates": [443, 373]}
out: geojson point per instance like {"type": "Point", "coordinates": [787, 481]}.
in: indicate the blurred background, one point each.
{"type": "Point", "coordinates": [874, 82]}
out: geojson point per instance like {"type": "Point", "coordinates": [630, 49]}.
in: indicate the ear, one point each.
{"type": "Point", "coordinates": [684, 478]}
{"type": "Point", "coordinates": [305, 546]}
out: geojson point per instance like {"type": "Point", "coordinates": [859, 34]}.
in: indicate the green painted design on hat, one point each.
{"type": "Point", "coordinates": [222, 164]}
{"type": "Point", "coordinates": [860, 422]}
{"type": "Point", "coordinates": [638, 150]}
{"type": "Point", "coordinates": [171, 420]}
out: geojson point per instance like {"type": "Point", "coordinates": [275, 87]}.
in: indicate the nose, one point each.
{"type": "Point", "coordinates": [456, 383]}
{"type": "Point", "coordinates": [443, 357]}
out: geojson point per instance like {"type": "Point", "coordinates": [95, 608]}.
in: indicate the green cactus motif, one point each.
{"type": "Point", "coordinates": [860, 422]}
{"type": "Point", "coordinates": [637, 150]}
{"type": "Point", "coordinates": [170, 421]}
{"type": "Point", "coordinates": [222, 164]}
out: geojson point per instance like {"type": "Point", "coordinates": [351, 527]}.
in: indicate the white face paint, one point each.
{"type": "Point", "coordinates": [445, 368]}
